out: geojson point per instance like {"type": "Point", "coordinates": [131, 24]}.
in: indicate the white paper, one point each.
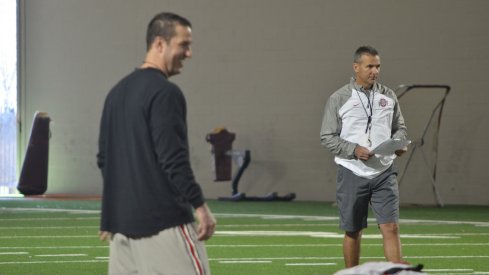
{"type": "Point", "coordinates": [390, 146]}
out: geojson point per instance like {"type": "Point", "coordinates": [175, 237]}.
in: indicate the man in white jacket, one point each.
{"type": "Point", "coordinates": [357, 118]}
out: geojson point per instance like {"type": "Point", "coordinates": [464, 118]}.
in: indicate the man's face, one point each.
{"type": "Point", "coordinates": [367, 70]}
{"type": "Point", "coordinates": [177, 50]}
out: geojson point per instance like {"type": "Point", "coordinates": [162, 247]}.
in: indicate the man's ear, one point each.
{"type": "Point", "coordinates": [159, 44]}
{"type": "Point", "coordinates": [356, 66]}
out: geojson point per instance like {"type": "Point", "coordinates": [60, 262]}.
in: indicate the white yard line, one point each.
{"type": "Point", "coordinates": [245, 262]}
{"type": "Point", "coordinates": [323, 234]}
{"type": "Point", "coordinates": [265, 259]}
{"type": "Point", "coordinates": [309, 264]}
{"type": "Point", "coordinates": [49, 237]}
{"type": "Point", "coordinates": [450, 271]}
{"type": "Point", "coordinates": [280, 225]}
{"type": "Point", "coordinates": [341, 258]}
{"type": "Point", "coordinates": [266, 233]}
{"type": "Point", "coordinates": [271, 245]}
{"type": "Point", "coordinates": [246, 246]}
{"type": "Point", "coordinates": [51, 219]}
{"type": "Point", "coordinates": [337, 245]}
{"type": "Point", "coordinates": [54, 247]}
{"type": "Point", "coordinates": [46, 227]}
{"type": "Point", "coordinates": [72, 211]}
{"type": "Point", "coordinates": [14, 253]}
{"type": "Point", "coordinates": [325, 218]}
{"type": "Point", "coordinates": [229, 215]}
{"type": "Point", "coordinates": [52, 262]}
{"type": "Point", "coordinates": [62, 255]}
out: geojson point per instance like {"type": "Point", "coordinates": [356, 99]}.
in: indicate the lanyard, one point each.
{"type": "Point", "coordinates": [370, 105]}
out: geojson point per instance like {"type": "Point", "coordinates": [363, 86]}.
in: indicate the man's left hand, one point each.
{"type": "Point", "coordinates": [400, 152]}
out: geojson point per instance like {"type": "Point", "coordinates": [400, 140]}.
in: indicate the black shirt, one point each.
{"type": "Point", "coordinates": [143, 154]}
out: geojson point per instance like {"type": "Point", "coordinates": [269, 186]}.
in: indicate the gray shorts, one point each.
{"type": "Point", "coordinates": [174, 250]}
{"type": "Point", "coordinates": [354, 194]}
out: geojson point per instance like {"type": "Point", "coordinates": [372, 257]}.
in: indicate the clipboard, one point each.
{"type": "Point", "coordinates": [390, 146]}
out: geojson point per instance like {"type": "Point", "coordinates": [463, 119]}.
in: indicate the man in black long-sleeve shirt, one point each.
{"type": "Point", "coordinates": [149, 186]}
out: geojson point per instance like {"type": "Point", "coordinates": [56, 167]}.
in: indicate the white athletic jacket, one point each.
{"type": "Point", "coordinates": [345, 123]}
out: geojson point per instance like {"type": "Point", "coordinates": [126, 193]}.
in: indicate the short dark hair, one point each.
{"type": "Point", "coordinates": [364, 50]}
{"type": "Point", "coordinates": [163, 25]}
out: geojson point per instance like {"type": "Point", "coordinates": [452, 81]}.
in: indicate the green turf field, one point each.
{"type": "Point", "coordinates": [40, 237]}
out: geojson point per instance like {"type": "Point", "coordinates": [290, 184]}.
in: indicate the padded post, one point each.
{"type": "Point", "coordinates": [221, 141]}
{"type": "Point", "coordinates": [33, 178]}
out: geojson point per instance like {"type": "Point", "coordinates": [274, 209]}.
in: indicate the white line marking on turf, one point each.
{"type": "Point", "coordinates": [48, 237]}
{"type": "Point", "coordinates": [277, 233]}
{"type": "Point", "coordinates": [62, 255]}
{"type": "Point", "coordinates": [321, 234]}
{"type": "Point", "coordinates": [103, 260]}
{"type": "Point", "coordinates": [274, 245]}
{"type": "Point", "coordinates": [280, 225]}
{"type": "Point", "coordinates": [52, 219]}
{"type": "Point", "coordinates": [335, 245]}
{"type": "Point", "coordinates": [53, 262]}
{"type": "Point", "coordinates": [325, 218]}
{"type": "Point", "coordinates": [447, 257]}
{"type": "Point", "coordinates": [283, 258]}
{"type": "Point", "coordinates": [247, 245]}
{"type": "Point", "coordinates": [13, 253]}
{"type": "Point", "coordinates": [54, 247]}
{"type": "Point", "coordinates": [46, 227]}
{"type": "Point", "coordinates": [448, 269]}
{"type": "Point", "coordinates": [230, 215]}
{"type": "Point", "coordinates": [245, 262]}
{"type": "Point", "coordinates": [309, 264]}
{"type": "Point", "coordinates": [74, 211]}
{"type": "Point", "coordinates": [341, 258]}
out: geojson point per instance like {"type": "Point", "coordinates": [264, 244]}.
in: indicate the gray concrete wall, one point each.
{"type": "Point", "coordinates": [264, 70]}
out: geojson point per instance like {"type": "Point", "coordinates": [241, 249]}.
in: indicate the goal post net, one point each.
{"type": "Point", "coordinates": [422, 108]}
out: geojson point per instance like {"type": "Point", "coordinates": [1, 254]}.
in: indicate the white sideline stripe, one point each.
{"type": "Point", "coordinates": [75, 211]}
{"type": "Point", "coordinates": [337, 245]}
{"type": "Point", "coordinates": [230, 215]}
{"type": "Point", "coordinates": [49, 237]}
{"type": "Point", "coordinates": [245, 262]}
{"type": "Point", "coordinates": [62, 255]}
{"type": "Point", "coordinates": [325, 218]}
{"type": "Point", "coordinates": [274, 245]}
{"type": "Point", "coordinates": [446, 257]}
{"type": "Point", "coordinates": [321, 234]}
{"type": "Point", "coordinates": [52, 219]}
{"type": "Point", "coordinates": [14, 253]}
{"type": "Point", "coordinates": [308, 264]}
{"type": "Point", "coordinates": [278, 233]}
{"type": "Point", "coordinates": [47, 227]}
{"type": "Point", "coordinates": [104, 259]}
{"type": "Point", "coordinates": [224, 225]}
{"type": "Point", "coordinates": [55, 247]}
{"type": "Point", "coordinates": [244, 246]}
{"type": "Point", "coordinates": [54, 262]}
{"type": "Point", "coordinates": [280, 225]}
{"type": "Point", "coordinates": [341, 258]}
{"type": "Point", "coordinates": [448, 269]}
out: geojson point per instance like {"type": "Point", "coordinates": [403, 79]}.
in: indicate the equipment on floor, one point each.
{"type": "Point", "coordinates": [222, 152]}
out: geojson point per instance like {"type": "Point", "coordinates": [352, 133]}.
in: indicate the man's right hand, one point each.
{"type": "Point", "coordinates": [362, 153]}
{"type": "Point", "coordinates": [105, 236]}
{"type": "Point", "coordinates": [207, 222]}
